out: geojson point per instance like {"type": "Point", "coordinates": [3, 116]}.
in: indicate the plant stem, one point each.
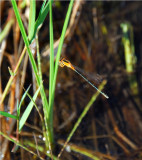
{"type": "Point", "coordinates": [12, 77]}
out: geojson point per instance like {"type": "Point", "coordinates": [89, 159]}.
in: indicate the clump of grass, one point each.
{"type": "Point", "coordinates": [34, 27]}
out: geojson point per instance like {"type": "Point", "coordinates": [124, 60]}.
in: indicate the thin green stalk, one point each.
{"type": "Point", "coordinates": [61, 44]}
{"type": "Point", "coordinates": [41, 17]}
{"type": "Point", "coordinates": [51, 98]}
{"type": "Point", "coordinates": [12, 77]}
{"type": "Point", "coordinates": [48, 132]}
{"type": "Point", "coordinates": [51, 55]}
{"type": "Point", "coordinates": [94, 97]}
{"type": "Point", "coordinates": [32, 18]}
{"type": "Point", "coordinates": [38, 58]}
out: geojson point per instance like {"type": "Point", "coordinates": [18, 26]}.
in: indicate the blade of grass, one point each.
{"type": "Point", "coordinates": [42, 14]}
{"type": "Point", "coordinates": [19, 107]}
{"type": "Point", "coordinates": [60, 46]}
{"type": "Point", "coordinates": [94, 97]}
{"type": "Point", "coordinates": [49, 132]}
{"type": "Point", "coordinates": [27, 111]}
{"type": "Point", "coordinates": [20, 22]}
{"type": "Point", "coordinates": [36, 107]}
{"type": "Point", "coordinates": [21, 101]}
{"type": "Point", "coordinates": [32, 18]}
{"type": "Point", "coordinates": [51, 77]}
{"type": "Point", "coordinates": [41, 17]}
{"type": "Point", "coordinates": [8, 115]}
{"type": "Point", "coordinates": [38, 58]}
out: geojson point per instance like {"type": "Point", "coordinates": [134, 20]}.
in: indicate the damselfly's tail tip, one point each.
{"type": "Point", "coordinates": [106, 96]}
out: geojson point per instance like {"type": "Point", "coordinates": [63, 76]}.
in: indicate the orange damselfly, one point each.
{"type": "Point", "coordinates": [63, 62]}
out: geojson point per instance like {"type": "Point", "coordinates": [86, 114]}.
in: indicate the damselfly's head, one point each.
{"type": "Point", "coordinates": [61, 64]}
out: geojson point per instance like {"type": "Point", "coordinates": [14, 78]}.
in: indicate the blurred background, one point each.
{"type": "Point", "coordinates": [104, 42]}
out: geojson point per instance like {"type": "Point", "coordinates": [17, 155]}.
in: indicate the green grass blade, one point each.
{"type": "Point", "coordinates": [43, 14]}
{"type": "Point", "coordinates": [27, 111]}
{"type": "Point", "coordinates": [32, 18]}
{"type": "Point", "coordinates": [20, 22]}
{"type": "Point", "coordinates": [22, 99]}
{"type": "Point", "coordinates": [94, 97]}
{"type": "Point", "coordinates": [35, 106]}
{"type": "Point", "coordinates": [61, 44]}
{"type": "Point", "coordinates": [44, 99]}
{"type": "Point", "coordinates": [41, 17]}
{"type": "Point", "coordinates": [8, 115]}
{"type": "Point", "coordinates": [43, 5]}
{"type": "Point", "coordinates": [38, 58]}
{"type": "Point", "coordinates": [51, 77]}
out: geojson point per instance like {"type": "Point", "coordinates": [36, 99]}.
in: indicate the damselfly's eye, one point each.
{"type": "Point", "coordinates": [66, 61]}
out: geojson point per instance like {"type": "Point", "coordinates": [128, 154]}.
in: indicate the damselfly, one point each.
{"type": "Point", "coordinates": [63, 62]}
